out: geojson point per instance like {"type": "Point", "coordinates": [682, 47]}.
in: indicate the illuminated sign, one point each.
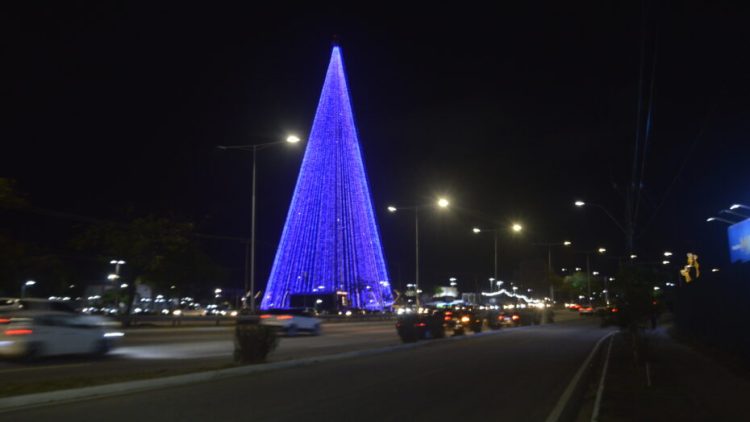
{"type": "Point", "coordinates": [739, 241]}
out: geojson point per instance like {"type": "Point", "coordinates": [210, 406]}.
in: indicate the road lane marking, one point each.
{"type": "Point", "coordinates": [36, 368]}
{"type": "Point", "coordinates": [562, 402]}
{"type": "Point", "coordinates": [600, 390]}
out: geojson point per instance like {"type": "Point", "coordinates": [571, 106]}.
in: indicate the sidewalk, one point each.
{"type": "Point", "coordinates": [684, 384]}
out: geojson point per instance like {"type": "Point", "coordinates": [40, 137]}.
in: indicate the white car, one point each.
{"type": "Point", "coordinates": [33, 334]}
{"type": "Point", "coordinates": [291, 321]}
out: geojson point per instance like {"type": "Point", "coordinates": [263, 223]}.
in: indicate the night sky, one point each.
{"type": "Point", "coordinates": [512, 113]}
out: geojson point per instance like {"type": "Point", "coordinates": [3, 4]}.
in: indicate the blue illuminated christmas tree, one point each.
{"type": "Point", "coordinates": [331, 244]}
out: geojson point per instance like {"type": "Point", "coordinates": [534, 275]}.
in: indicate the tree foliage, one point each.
{"type": "Point", "coordinates": [158, 251]}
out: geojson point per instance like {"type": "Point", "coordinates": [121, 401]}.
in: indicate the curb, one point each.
{"type": "Point", "coordinates": [13, 403]}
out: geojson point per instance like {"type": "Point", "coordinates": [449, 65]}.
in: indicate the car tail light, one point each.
{"type": "Point", "coordinates": [615, 310]}
{"type": "Point", "coordinates": [284, 317]}
{"type": "Point", "coordinates": [265, 316]}
{"type": "Point", "coordinates": [515, 317]}
{"type": "Point", "coordinates": [18, 332]}
{"type": "Point", "coordinates": [449, 313]}
{"type": "Point", "coordinates": [447, 318]}
{"type": "Point", "coordinates": [4, 320]}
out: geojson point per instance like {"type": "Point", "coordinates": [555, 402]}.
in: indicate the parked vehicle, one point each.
{"type": "Point", "coordinates": [292, 321]}
{"type": "Point", "coordinates": [33, 334]}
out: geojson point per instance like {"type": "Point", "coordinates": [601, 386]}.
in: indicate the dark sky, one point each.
{"type": "Point", "coordinates": [511, 112]}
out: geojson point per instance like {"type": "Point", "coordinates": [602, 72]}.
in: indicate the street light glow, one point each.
{"type": "Point", "coordinates": [292, 139]}
{"type": "Point", "coordinates": [124, 285]}
{"type": "Point", "coordinates": [30, 283]}
{"type": "Point", "coordinates": [443, 203]}
{"type": "Point", "coordinates": [391, 208]}
{"type": "Point", "coordinates": [665, 262]}
{"type": "Point", "coordinates": [476, 230]}
{"type": "Point", "coordinates": [667, 253]}
{"type": "Point", "coordinates": [602, 250]}
{"type": "Point", "coordinates": [517, 227]}
{"type": "Point", "coordinates": [567, 243]}
{"type": "Point", "coordinates": [633, 256]}
{"type": "Point", "coordinates": [595, 273]}
{"type": "Point", "coordinates": [452, 279]}
{"type": "Point", "coordinates": [734, 206]}
{"type": "Point", "coordinates": [579, 203]}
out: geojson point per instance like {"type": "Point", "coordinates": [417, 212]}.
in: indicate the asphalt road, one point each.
{"type": "Point", "coordinates": [515, 374]}
{"type": "Point", "coordinates": [146, 352]}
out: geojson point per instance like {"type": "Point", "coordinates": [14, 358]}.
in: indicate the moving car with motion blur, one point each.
{"type": "Point", "coordinates": [34, 334]}
{"type": "Point", "coordinates": [292, 321]}
{"type": "Point", "coordinates": [587, 309]}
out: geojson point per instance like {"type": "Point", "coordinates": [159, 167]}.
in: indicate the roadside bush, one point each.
{"type": "Point", "coordinates": [253, 343]}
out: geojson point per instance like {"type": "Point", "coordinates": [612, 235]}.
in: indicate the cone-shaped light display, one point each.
{"type": "Point", "coordinates": [330, 244]}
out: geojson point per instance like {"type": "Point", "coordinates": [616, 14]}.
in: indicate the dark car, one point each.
{"type": "Point", "coordinates": [462, 318]}
{"type": "Point", "coordinates": [430, 323]}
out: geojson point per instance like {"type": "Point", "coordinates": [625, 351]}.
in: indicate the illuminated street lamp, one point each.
{"type": "Point", "coordinates": [665, 262]}
{"type": "Point", "coordinates": [723, 220]}
{"type": "Point", "coordinates": [633, 256]}
{"type": "Point", "coordinates": [602, 250]}
{"type": "Point", "coordinates": [250, 273]}
{"type": "Point", "coordinates": [117, 263]}
{"type": "Point", "coordinates": [628, 234]}
{"type": "Point", "coordinates": [441, 203]}
{"type": "Point", "coordinates": [516, 227]}
{"type": "Point", "coordinates": [667, 253]}
{"type": "Point", "coordinates": [28, 283]}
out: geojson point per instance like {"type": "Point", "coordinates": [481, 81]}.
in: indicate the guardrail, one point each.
{"type": "Point", "coordinates": [169, 320]}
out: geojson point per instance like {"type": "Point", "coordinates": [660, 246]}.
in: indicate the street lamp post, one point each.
{"type": "Point", "coordinates": [549, 246]}
{"type": "Point", "coordinates": [250, 274]}
{"type": "Point", "coordinates": [441, 203]}
{"type": "Point", "coordinates": [588, 254]}
{"type": "Point", "coordinates": [28, 283]}
{"type": "Point", "coordinates": [628, 232]}
{"type": "Point", "coordinates": [515, 227]}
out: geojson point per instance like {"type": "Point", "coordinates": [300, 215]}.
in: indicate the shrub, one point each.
{"type": "Point", "coordinates": [253, 342]}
